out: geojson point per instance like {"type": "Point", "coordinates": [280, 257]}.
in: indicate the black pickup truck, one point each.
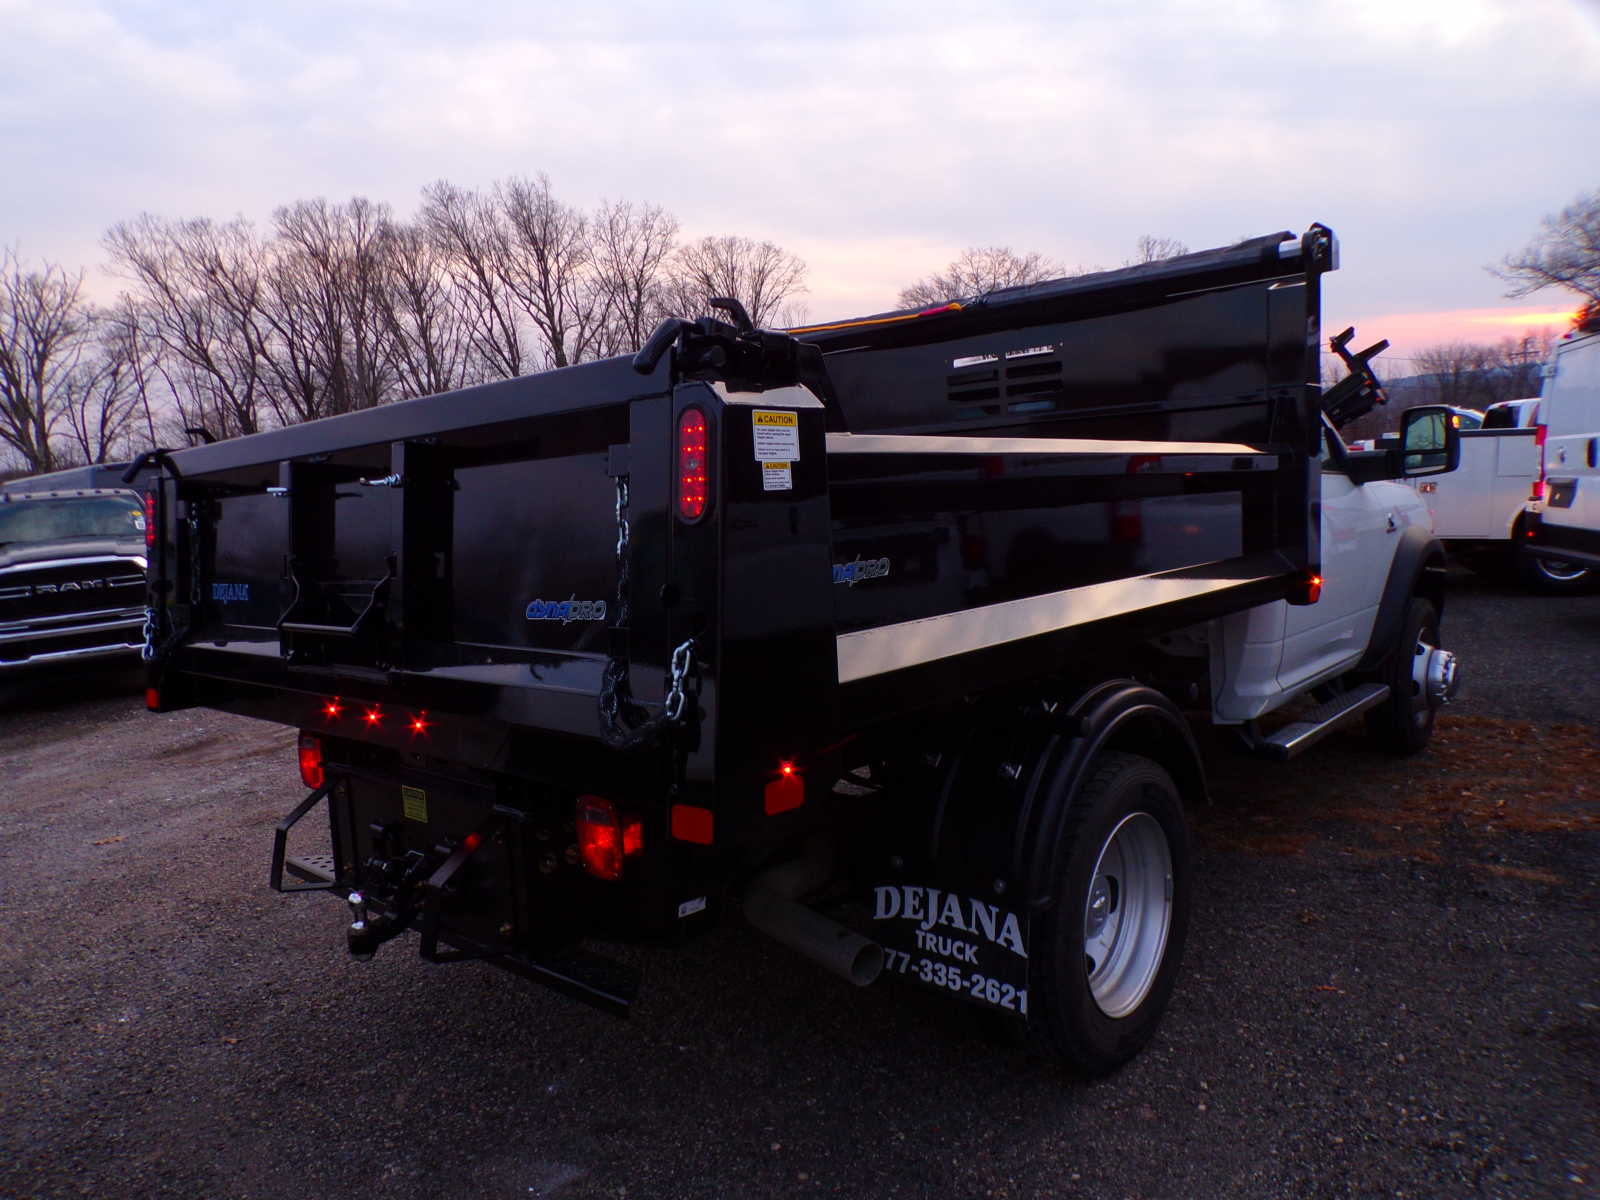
{"type": "Point", "coordinates": [72, 575]}
{"type": "Point", "coordinates": [880, 632]}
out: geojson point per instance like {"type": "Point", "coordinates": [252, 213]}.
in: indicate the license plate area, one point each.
{"type": "Point", "coordinates": [398, 832]}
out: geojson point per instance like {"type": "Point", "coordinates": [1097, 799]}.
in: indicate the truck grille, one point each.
{"type": "Point", "coordinates": [70, 607]}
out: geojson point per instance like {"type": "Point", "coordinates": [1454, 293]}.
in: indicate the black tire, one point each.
{"type": "Point", "coordinates": [1404, 722]}
{"type": "Point", "coordinates": [1549, 577]}
{"type": "Point", "coordinates": [1097, 1015]}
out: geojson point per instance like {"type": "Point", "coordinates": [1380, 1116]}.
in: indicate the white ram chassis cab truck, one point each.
{"type": "Point", "coordinates": [887, 635]}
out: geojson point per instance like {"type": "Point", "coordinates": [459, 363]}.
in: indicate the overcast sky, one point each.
{"type": "Point", "coordinates": [875, 140]}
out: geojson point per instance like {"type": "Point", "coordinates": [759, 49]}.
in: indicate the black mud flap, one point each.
{"type": "Point", "coordinates": [960, 945]}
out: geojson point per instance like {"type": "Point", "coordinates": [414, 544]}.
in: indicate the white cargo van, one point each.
{"type": "Point", "coordinates": [1569, 412]}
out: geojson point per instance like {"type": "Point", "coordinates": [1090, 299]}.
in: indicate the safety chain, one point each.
{"type": "Point", "coordinates": [148, 651]}
{"type": "Point", "coordinates": [155, 647]}
{"type": "Point", "coordinates": [623, 724]}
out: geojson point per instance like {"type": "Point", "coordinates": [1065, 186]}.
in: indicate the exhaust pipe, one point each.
{"type": "Point", "coordinates": [770, 905]}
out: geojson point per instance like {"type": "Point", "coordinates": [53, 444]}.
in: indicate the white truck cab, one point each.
{"type": "Point", "coordinates": [1369, 642]}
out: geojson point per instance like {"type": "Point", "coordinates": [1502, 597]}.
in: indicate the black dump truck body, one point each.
{"type": "Point", "coordinates": [594, 652]}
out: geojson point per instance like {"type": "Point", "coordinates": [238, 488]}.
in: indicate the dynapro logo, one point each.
{"type": "Point", "coordinates": [861, 569]}
{"type": "Point", "coordinates": [933, 911]}
{"type": "Point", "coordinates": [566, 611]}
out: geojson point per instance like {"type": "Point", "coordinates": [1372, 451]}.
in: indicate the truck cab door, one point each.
{"type": "Point", "coordinates": [1360, 525]}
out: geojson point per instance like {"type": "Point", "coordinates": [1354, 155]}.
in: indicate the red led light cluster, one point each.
{"type": "Point", "coordinates": [605, 837]}
{"type": "Point", "coordinates": [694, 469]}
{"type": "Point", "coordinates": [373, 716]}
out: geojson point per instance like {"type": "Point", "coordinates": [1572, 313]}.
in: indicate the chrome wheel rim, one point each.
{"type": "Point", "coordinates": [1559, 569]}
{"type": "Point", "coordinates": [1127, 914]}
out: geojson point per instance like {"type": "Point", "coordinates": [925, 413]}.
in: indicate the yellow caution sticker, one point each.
{"type": "Point", "coordinates": [776, 477]}
{"type": "Point", "coordinates": [415, 803]}
{"type": "Point", "coordinates": [776, 435]}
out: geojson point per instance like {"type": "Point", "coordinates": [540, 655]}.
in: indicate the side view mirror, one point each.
{"type": "Point", "coordinates": [1430, 441]}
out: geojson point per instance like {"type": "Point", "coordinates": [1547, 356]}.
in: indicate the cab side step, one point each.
{"type": "Point", "coordinates": [1314, 725]}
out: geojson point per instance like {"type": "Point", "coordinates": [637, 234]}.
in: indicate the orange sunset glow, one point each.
{"type": "Point", "coordinates": [1409, 332]}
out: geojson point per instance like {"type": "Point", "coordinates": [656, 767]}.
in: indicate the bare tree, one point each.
{"type": "Point", "coordinates": [631, 245]}
{"type": "Point", "coordinates": [546, 263]}
{"type": "Point", "coordinates": [979, 269]}
{"type": "Point", "coordinates": [760, 275]}
{"type": "Point", "coordinates": [1455, 371]}
{"type": "Point", "coordinates": [328, 297]}
{"type": "Point", "coordinates": [1565, 253]}
{"type": "Point", "coordinates": [341, 307]}
{"type": "Point", "coordinates": [427, 325]}
{"type": "Point", "coordinates": [1477, 374]}
{"type": "Point", "coordinates": [101, 392]}
{"type": "Point", "coordinates": [44, 331]}
{"type": "Point", "coordinates": [200, 288]}
{"type": "Point", "coordinates": [1150, 248]}
{"type": "Point", "coordinates": [471, 232]}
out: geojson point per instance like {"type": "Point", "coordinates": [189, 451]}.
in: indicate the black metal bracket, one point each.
{"type": "Point", "coordinates": [280, 846]}
{"type": "Point", "coordinates": [431, 900]}
{"type": "Point", "coordinates": [747, 359]}
{"type": "Point", "coordinates": [374, 607]}
{"type": "Point", "coordinates": [159, 457]}
{"type": "Point", "coordinates": [1359, 392]}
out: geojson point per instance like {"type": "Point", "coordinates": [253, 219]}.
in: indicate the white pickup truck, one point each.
{"type": "Point", "coordinates": [1485, 510]}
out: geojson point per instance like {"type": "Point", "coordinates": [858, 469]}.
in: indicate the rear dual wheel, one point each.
{"type": "Point", "coordinates": [1104, 956]}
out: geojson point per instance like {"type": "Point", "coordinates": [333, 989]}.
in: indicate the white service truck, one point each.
{"type": "Point", "coordinates": [1486, 509]}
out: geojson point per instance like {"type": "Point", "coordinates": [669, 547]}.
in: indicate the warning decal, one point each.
{"type": "Point", "coordinates": [776, 477]}
{"type": "Point", "coordinates": [776, 435]}
{"type": "Point", "coordinates": [415, 803]}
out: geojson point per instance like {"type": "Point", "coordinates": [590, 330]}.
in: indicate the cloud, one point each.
{"type": "Point", "coordinates": [1432, 135]}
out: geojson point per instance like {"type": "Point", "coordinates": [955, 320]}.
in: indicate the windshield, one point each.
{"type": "Point", "coordinates": [59, 520]}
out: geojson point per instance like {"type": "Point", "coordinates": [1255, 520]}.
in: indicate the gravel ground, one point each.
{"type": "Point", "coordinates": [1392, 988]}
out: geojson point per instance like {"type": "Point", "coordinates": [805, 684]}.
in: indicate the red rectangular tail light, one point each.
{"type": "Point", "coordinates": [311, 772]}
{"type": "Point", "coordinates": [605, 837]}
{"type": "Point", "coordinates": [694, 465]}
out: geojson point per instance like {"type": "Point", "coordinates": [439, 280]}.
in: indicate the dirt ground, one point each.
{"type": "Point", "coordinates": [1391, 988]}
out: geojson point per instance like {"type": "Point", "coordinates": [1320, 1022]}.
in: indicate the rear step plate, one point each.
{"type": "Point", "coordinates": [1311, 727]}
{"type": "Point", "coordinates": [313, 868]}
